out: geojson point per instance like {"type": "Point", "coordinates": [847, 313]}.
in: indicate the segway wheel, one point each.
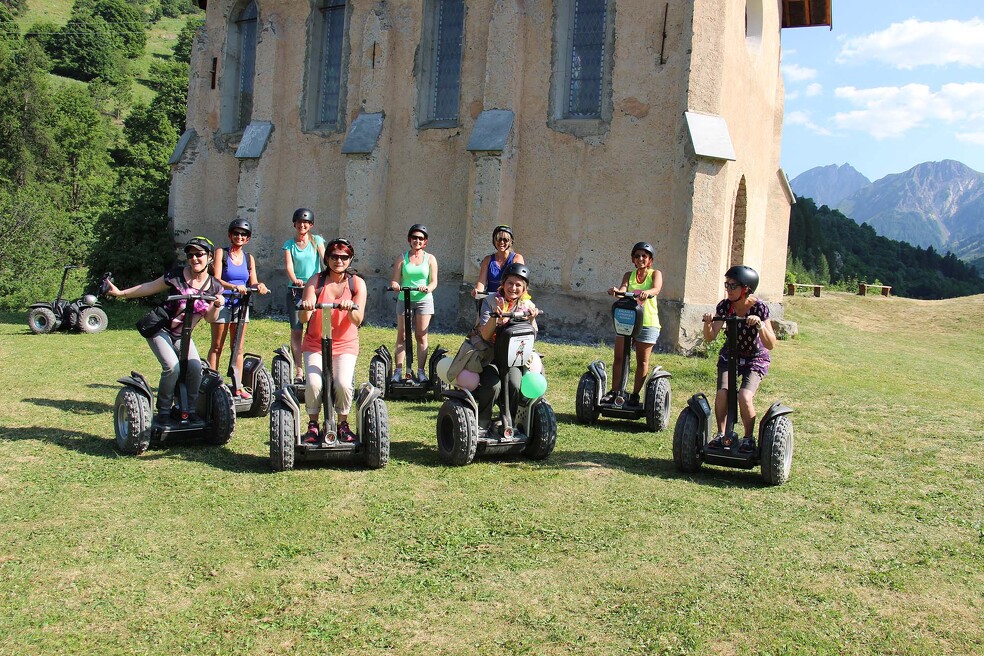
{"type": "Point", "coordinates": [377, 375]}
{"type": "Point", "coordinates": [132, 419]}
{"type": "Point", "coordinates": [375, 434]}
{"type": "Point", "coordinates": [543, 432]}
{"type": "Point", "coordinates": [457, 433]}
{"type": "Point", "coordinates": [93, 320]}
{"type": "Point", "coordinates": [73, 318]}
{"type": "Point", "coordinates": [587, 391]}
{"type": "Point", "coordinates": [262, 393]}
{"type": "Point", "coordinates": [223, 416]}
{"type": "Point", "coordinates": [438, 387]}
{"type": "Point", "coordinates": [42, 321]}
{"type": "Point", "coordinates": [658, 404]}
{"type": "Point", "coordinates": [686, 442]}
{"type": "Point", "coordinates": [281, 372]}
{"type": "Point", "coordinates": [777, 450]}
{"type": "Point", "coordinates": [282, 438]}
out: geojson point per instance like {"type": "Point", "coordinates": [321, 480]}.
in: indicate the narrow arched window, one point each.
{"type": "Point", "coordinates": [326, 70]}
{"type": "Point", "coordinates": [440, 74]}
{"type": "Point", "coordinates": [582, 60]}
{"type": "Point", "coordinates": [240, 68]}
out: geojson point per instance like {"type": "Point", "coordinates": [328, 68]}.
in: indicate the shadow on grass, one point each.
{"type": "Point", "coordinates": [220, 457]}
{"type": "Point", "coordinates": [74, 406]}
{"type": "Point", "coordinates": [657, 467]}
{"type": "Point", "coordinates": [612, 424]}
{"type": "Point", "coordinates": [87, 443]}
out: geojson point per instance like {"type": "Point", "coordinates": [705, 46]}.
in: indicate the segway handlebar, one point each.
{"type": "Point", "coordinates": [730, 319]}
{"type": "Point", "coordinates": [333, 306]}
{"type": "Point", "coordinates": [518, 314]}
{"type": "Point", "coordinates": [234, 294]}
{"type": "Point", "coordinates": [192, 297]}
{"type": "Point", "coordinates": [634, 294]}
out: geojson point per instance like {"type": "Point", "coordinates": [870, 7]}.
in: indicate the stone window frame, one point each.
{"type": "Point", "coordinates": [560, 84]}
{"type": "Point", "coordinates": [429, 80]}
{"type": "Point", "coordinates": [323, 12]}
{"type": "Point", "coordinates": [237, 101]}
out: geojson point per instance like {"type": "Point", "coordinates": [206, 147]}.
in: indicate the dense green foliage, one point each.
{"type": "Point", "coordinates": [826, 247]}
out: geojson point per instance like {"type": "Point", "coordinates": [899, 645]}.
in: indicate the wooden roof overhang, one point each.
{"type": "Point", "coordinates": [806, 13]}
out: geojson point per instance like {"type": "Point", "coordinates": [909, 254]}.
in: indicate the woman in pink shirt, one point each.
{"type": "Point", "coordinates": [336, 284]}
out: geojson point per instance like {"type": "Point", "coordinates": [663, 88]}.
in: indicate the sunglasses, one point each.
{"type": "Point", "coordinates": [503, 240]}
{"type": "Point", "coordinates": [418, 238]}
{"type": "Point", "coordinates": [636, 256]}
{"type": "Point", "coordinates": [341, 257]}
{"type": "Point", "coordinates": [196, 254]}
{"type": "Point", "coordinates": [239, 234]}
{"type": "Point", "coordinates": [731, 286]}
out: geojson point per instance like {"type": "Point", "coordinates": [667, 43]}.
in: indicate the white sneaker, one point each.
{"type": "Point", "coordinates": [421, 376]}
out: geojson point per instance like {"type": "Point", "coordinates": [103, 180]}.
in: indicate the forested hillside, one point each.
{"type": "Point", "coordinates": [83, 159]}
{"type": "Point", "coordinates": [826, 247]}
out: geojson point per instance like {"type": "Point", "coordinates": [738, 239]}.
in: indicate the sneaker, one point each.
{"type": "Point", "coordinates": [747, 445]}
{"type": "Point", "coordinates": [608, 398]}
{"type": "Point", "coordinates": [634, 399]}
{"type": "Point", "coordinates": [345, 433]}
{"type": "Point", "coordinates": [421, 376]}
{"type": "Point", "coordinates": [397, 376]}
{"type": "Point", "coordinates": [244, 394]}
{"type": "Point", "coordinates": [716, 443]}
{"type": "Point", "coordinates": [313, 434]}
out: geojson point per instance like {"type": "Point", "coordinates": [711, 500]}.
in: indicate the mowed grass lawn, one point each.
{"type": "Point", "coordinates": [876, 545]}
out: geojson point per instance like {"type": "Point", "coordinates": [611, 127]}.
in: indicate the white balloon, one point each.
{"type": "Point", "coordinates": [442, 367]}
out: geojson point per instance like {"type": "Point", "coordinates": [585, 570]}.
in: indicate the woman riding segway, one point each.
{"type": "Point", "coordinates": [301, 257]}
{"type": "Point", "coordinates": [415, 269]}
{"type": "Point", "coordinates": [491, 268]}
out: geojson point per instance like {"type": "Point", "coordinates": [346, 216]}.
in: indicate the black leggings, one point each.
{"type": "Point", "coordinates": [488, 392]}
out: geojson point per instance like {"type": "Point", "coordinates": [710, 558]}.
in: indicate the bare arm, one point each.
{"type": "Point", "coordinates": [483, 276]}
{"type": "Point", "coordinates": [138, 291]}
{"type": "Point", "coordinates": [253, 280]}
{"type": "Point", "coordinates": [621, 288]}
{"type": "Point", "coordinates": [289, 265]}
{"type": "Point", "coordinates": [432, 283]}
{"type": "Point", "coordinates": [396, 277]}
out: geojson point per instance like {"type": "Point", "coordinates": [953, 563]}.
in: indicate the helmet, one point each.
{"type": "Point", "coordinates": [203, 243]}
{"type": "Point", "coordinates": [516, 269]}
{"type": "Point", "coordinates": [418, 227]}
{"type": "Point", "coordinates": [745, 276]}
{"type": "Point", "coordinates": [241, 224]}
{"type": "Point", "coordinates": [502, 228]}
{"type": "Point", "coordinates": [302, 214]}
{"type": "Point", "coordinates": [338, 241]}
{"type": "Point", "coordinates": [644, 246]}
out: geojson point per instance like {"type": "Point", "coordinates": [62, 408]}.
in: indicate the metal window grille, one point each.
{"type": "Point", "coordinates": [333, 35]}
{"type": "Point", "coordinates": [584, 90]}
{"type": "Point", "coordinates": [246, 26]}
{"type": "Point", "coordinates": [446, 80]}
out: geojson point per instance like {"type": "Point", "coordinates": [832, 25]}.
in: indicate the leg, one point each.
{"type": "Point", "coordinates": [239, 358]}
{"type": "Point", "coordinates": [219, 331]}
{"type": "Point", "coordinates": [617, 364]}
{"type": "Point", "coordinates": [421, 324]}
{"type": "Point", "coordinates": [643, 352]}
{"type": "Point", "coordinates": [344, 366]}
{"type": "Point", "coordinates": [515, 380]}
{"type": "Point", "coordinates": [400, 351]}
{"type": "Point", "coordinates": [486, 394]}
{"type": "Point", "coordinates": [312, 396]}
{"type": "Point", "coordinates": [746, 401]}
{"type": "Point", "coordinates": [164, 348]}
{"type": "Point", "coordinates": [721, 402]}
{"type": "Point", "coordinates": [295, 349]}
{"type": "Point", "coordinates": [193, 380]}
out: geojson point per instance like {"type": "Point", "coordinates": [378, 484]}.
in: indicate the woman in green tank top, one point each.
{"type": "Point", "coordinates": [418, 269]}
{"type": "Point", "coordinates": [647, 281]}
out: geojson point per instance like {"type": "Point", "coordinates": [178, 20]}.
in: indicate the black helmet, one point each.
{"type": "Point", "coordinates": [418, 227]}
{"type": "Point", "coordinates": [644, 246]}
{"type": "Point", "coordinates": [501, 228]}
{"type": "Point", "coordinates": [203, 243]}
{"type": "Point", "coordinates": [241, 224]}
{"type": "Point", "coordinates": [745, 276]}
{"type": "Point", "coordinates": [303, 214]}
{"type": "Point", "coordinates": [338, 241]}
{"type": "Point", "coordinates": [516, 269]}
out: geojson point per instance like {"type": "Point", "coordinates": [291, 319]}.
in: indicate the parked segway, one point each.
{"type": "Point", "coordinates": [531, 432]}
{"type": "Point", "coordinates": [138, 427]}
{"type": "Point", "coordinates": [589, 403]}
{"type": "Point", "coordinates": [287, 416]}
{"type": "Point", "coordinates": [773, 451]}
{"type": "Point", "coordinates": [84, 314]}
{"type": "Point", "coordinates": [254, 375]}
{"type": "Point", "coordinates": [381, 365]}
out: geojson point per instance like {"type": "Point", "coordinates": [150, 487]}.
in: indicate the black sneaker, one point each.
{"type": "Point", "coordinates": [345, 433]}
{"type": "Point", "coordinates": [608, 398]}
{"type": "Point", "coordinates": [634, 399]}
{"type": "Point", "coordinates": [747, 445]}
{"type": "Point", "coordinates": [716, 443]}
{"type": "Point", "coordinates": [313, 434]}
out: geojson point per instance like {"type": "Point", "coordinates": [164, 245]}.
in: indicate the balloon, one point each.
{"type": "Point", "coordinates": [536, 364]}
{"type": "Point", "coordinates": [468, 380]}
{"type": "Point", "coordinates": [534, 385]}
{"type": "Point", "coordinates": [442, 367]}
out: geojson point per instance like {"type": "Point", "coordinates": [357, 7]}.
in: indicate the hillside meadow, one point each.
{"type": "Point", "coordinates": [876, 545]}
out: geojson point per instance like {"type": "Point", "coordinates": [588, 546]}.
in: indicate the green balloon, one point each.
{"type": "Point", "coordinates": [534, 385]}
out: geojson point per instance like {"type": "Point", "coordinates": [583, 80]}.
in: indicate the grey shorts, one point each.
{"type": "Point", "coordinates": [293, 296]}
{"type": "Point", "coordinates": [228, 315]}
{"type": "Point", "coordinates": [750, 380]}
{"type": "Point", "coordinates": [425, 306]}
{"type": "Point", "coordinates": [648, 335]}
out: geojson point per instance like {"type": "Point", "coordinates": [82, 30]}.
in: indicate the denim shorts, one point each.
{"type": "Point", "coordinates": [648, 335]}
{"type": "Point", "coordinates": [423, 306]}
{"type": "Point", "coordinates": [293, 297]}
{"type": "Point", "coordinates": [228, 315]}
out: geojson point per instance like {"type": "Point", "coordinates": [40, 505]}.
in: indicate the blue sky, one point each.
{"type": "Point", "coordinates": [892, 85]}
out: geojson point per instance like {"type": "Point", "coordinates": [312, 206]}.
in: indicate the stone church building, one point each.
{"type": "Point", "coordinates": [586, 125]}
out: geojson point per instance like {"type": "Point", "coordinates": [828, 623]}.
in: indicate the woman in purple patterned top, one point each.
{"type": "Point", "coordinates": [755, 339]}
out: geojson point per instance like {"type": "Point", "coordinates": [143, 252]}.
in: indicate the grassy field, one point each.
{"type": "Point", "coordinates": [876, 545]}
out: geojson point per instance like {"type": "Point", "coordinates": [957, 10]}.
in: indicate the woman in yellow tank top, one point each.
{"type": "Point", "coordinates": [647, 281]}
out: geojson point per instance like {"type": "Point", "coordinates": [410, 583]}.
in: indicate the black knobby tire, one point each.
{"type": "Point", "coordinates": [438, 387]}
{"type": "Point", "coordinates": [658, 404]}
{"type": "Point", "coordinates": [223, 416]}
{"type": "Point", "coordinates": [132, 420]}
{"type": "Point", "coordinates": [281, 372]}
{"type": "Point", "coordinates": [457, 433]}
{"type": "Point", "coordinates": [93, 320]}
{"type": "Point", "coordinates": [377, 375]}
{"type": "Point", "coordinates": [42, 321]}
{"type": "Point", "coordinates": [262, 393]}
{"type": "Point", "coordinates": [687, 442]}
{"type": "Point", "coordinates": [282, 438]}
{"type": "Point", "coordinates": [375, 434]}
{"type": "Point", "coordinates": [543, 432]}
{"type": "Point", "coordinates": [584, 405]}
{"type": "Point", "coordinates": [72, 318]}
{"type": "Point", "coordinates": [777, 450]}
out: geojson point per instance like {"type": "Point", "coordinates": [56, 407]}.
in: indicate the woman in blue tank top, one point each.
{"type": "Point", "coordinates": [491, 268]}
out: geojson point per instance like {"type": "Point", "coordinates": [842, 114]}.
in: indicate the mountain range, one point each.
{"type": "Point", "coordinates": [938, 204]}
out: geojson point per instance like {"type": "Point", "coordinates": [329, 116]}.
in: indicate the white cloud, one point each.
{"type": "Point", "coordinates": [804, 119]}
{"type": "Point", "coordinates": [792, 95]}
{"type": "Point", "coordinates": [913, 43]}
{"type": "Point", "coordinates": [890, 112]}
{"type": "Point", "coordinates": [976, 138]}
{"type": "Point", "coordinates": [814, 89]}
{"type": "Point", "coordinates": [797, 73]}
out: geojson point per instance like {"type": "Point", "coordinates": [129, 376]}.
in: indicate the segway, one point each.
{"type": "Point", "coordinates": [533, 430]}
{"type": "Point", "coordinates": [138, 427]}
{"type": "Point", "coordinates": [287, 412]}
{"type": "Point", "coordinates": [627, 320]}
{"type": "Point", "coordinates": [254, 375]}
{"type": "Point", "coordinates": [83, 315]}
{"type": "Point", "coordinates": [381, 365]}
{"type": "Point", "coordinates": [773, 451]}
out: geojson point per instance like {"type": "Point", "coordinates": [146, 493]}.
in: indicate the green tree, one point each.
{"type": "Point", "coordinates": [123, 21]}
{"type": "Point", "coordinates": [186, 39]}
{"type": "Point", "coordinates": [87, 48]}
{"type": "Point", "coordinates": [25, 139]}
{"type": "Point", "coordinates": [170, 81]}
